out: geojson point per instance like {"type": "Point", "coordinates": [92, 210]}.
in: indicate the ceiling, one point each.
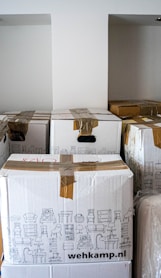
{"type": "Point", "coordinates": [147, 20]}
{"type": "Point", "coordinates": [25, 19]}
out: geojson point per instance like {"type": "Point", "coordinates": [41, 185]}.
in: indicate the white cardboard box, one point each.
{"type": "Point", "coordinates": [28, 131]}
{"type": "Point", "coordinates": [4, 142]}
{"type": "Point", "coordinates": [143, 155]}
{"type": "Point", "coordinates": [4, 149]}
{"type": "Point", "coordinates": [85, 270]}
{"type": "Point", "coordinates": [85, 131]}
{"type": "Point", "coordinates": [76, 210]}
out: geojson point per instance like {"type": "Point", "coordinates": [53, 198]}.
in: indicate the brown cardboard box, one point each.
{"type": "Point", "coordinates": [131, 108]}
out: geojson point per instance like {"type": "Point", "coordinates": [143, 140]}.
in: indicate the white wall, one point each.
{"type": "Point", "coordinates": [80, 44]}
{"type": "Point", "coordinates": [134, 62]}
{"type": "Point", "coordinates": [80, 60]}
{"type": "Point", "coordinates": [25, 67]}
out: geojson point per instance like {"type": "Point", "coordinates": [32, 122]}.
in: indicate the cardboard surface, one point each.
{"type": "Point", "coordinates": [85, 270]}
{"type": "Point", "coordinates": [1, 248]}
{"type": "Point", "coordinates": [42, 225]}
{"type": "Point", "coordinates": [143, 155]}
{"type": "Point", "coordinates": [4, 149]}
{"type": "Point", "coordinates": [4, 142]}
{"type": "Point", "coordinates": [84, 131]}
{"type": "Point", "coordinates": [135, 120]}
{"type": "Point", "coordinates": [28, 132]}
{"type": "Point", "coordinates": [134, 107]}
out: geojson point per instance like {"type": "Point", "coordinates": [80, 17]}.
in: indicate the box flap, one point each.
{"type": "Point", "coordinates": [66, 167]}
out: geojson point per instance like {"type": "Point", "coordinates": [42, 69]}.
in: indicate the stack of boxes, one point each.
{"type": "Point", "coordinates": [69, 213]}
{"type": "Point", "coordinates": [141, 137]}
{"type": "Point", "coordinates": [23, 132]}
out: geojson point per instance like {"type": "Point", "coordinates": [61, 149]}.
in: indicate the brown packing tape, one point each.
{"type": "Point", "coordinates": [85, 126]}
{"type": "Point", "coordinates": [56, 166]}
{"type": "Point", "coordinates": [155, 129]}
{"type": "Point", "coordinates": [67, 177]}
{"type": "Point", "coordinates": [84, 121]}
{"type": "Point", "coordinates": [148, 109]}
{"type": "Point", "coordinates": [18, 125]}
{"type": "Point", "coordinates": [23, 116]}
{"type": "Point", "coordinates": [66, 188]}
{"type": "Point", "coordinates": [125, 123]}
{"type": "Point", "coordinates": [42, 113]}
{"type": "Point", "coordinates": [125, 135]}
{"type": "Point", "coordinates": [3, 133]}
{"type": "Point", "coordinates": [80, 113]}
{"type": "Point", "coordinates": [157, 137]}
{"type": "Point", "coordinates": [17, 131]}
{"type": "Point", "coordinates": [126, 127]}
{"type": "Point", "coordinates": [66, 167]}
{"type": "Point", "coordinates": [156, 134]}
{"type": "Point", "coordinates": [145, 120]}
{"type": "Point", "coordinates": [157, 104]}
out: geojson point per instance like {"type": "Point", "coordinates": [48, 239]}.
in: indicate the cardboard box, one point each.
{"type": "Point", "coordinates": [157, 103]}
{"type": "Point", "coordinates": [131, 108]}
{"type": "Point", "coordinates": [85, 270]}
{"type": "Point", "coordinates": [89, 131]}
{"type": "Point", "coordinates": [142, 146]}
{"type": "Point", "coordinates": [140, 120]}
{"type": "Point", "coordinates": [135, 120]}
{"type": "Point", "coordinates": [28, 131]}
{"type": "Point", "coordinates": [4, 142]}
{"type": "Point", "coordinates": [4, 149]}
{"type": "Point", "coordinates": [4, 154]}
{"type": "Point", "coordinates": [66, 209]}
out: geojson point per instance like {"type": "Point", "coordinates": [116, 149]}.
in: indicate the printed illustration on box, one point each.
{"type": "Point", "coordinates": [95, 224]}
